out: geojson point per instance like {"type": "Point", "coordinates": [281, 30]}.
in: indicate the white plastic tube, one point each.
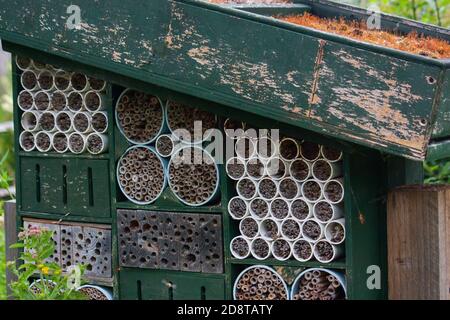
{"type": "Point", "coordinates": [276, 215]}
{"type": "Point", "coordinates": [96, 116]}
{"type": "Point", "coordinates": [239, 201]}
{"type": "Point", "coordinates": [235, 161]}
{"type": "Point", "coordinates": [79, 82]}
{"type": "Point", "coordinates": [257, 242]}
{"type": "Point", "coordinates": [43, 141]}
{"type": "Point", "coordinates": [42, 101]}
{"type": "Point", "coordinates": [158, 148]}
{"type": "Point", "coordinates": [32, 84]}
{"type": "Point", "coordinates": [82, 122]}
{"type": "Point", "coordinates": [289, 189]}
{"type": "Point", "coordinates": [76, 138]}
{"type": "Point", "coordinates": [75, 101]}
{"type": "Point", "coordinates": [310, 151]}
{"type": "Point", "coordinates": [325, 152]}
{"type": "Point", "coordinates": [55, 104]}
{"type": "Point", "coordinates": [330, 228]}
{"type": "Point", "coordinates": [23, 63]}
{"type": "Point", "coordinates": [255, 215]}
{"type": "Point", "coordinates": [102, 139]}
{"type": "Point", "coordinates": [46, 80]}
{"type": "Point", "coordinates": [269, 229]}
{"type": "Point", "coordinates": [298, 245]}
{"type": "Point", "coordinates": [338, 251]}
{"type": "Point", "coordinates": [237, 128]}
{"type": "Point", "coordinates": [96, 84]}
{"type": "Point", "coordinates": [240, 147]}
{"type": "Point", "coordinates": [27, 136]}
{"type": "Point", "coordinates": [251, 167]}
{"type": "Point", "coordinates": [94, 101]}
{"type": "Point", "coordinates": [47, 121]}
{"type": "Point", "coordinates": [339, 183]}
{"type": "Point", "coordinates": [277, 168]}
{"type": "Point", "coordinates": [276, 254]}
{"type": "Point", "coordinates": [62, 80]}
{"type": "Point", "coordinates": [263, 151]}
{"type": "Point", "coordinates": [246, 188]}
{"type": "Point", "coordinates": [293, 153]}
{"type": "Point", "coordinates": [295, 209]}
{"type": "Point", "coordinates": [336, 211]}
{"type": "Point", "coordinates": [335, 170]}
{"type": "Point", "coordinates": [56, 138]}
{"type": "Point", "coordinates": [246, 243]}
{"type": "Point", "coordinates": [30, 121]}
{"type": "Point", "coordinates": [294, 236]}
{"type": "Point", "coordinates": [265, 183]}
{"type": "Point", "coordinates": [25, 95]}
{"type": "Point", "coordinates": [297, 170]}
{"type": "Point", "coordinates": [64, 116]}
{"type": "Point", "coordinates": [312, 190]}
{"type": "Point", "coordinates": [247, 234]}
{"type": "Point", "coordinates": [307, 235]}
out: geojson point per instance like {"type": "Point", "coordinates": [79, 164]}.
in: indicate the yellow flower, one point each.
{"type": "Point", "coordinates": [45, 270]}
{"type": "Point", "coordinates": [40, 266]}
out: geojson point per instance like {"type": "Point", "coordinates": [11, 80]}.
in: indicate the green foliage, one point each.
{"type": "Point", "coordinates": [2, 265]}
{"type": "Point", "coordinates": [437, 172]}
{"type": "Point", "coordinates": [38, 246]}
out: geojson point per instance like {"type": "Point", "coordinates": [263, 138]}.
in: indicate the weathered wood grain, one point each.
{"type": "Point", "coordinates": [419, 242]}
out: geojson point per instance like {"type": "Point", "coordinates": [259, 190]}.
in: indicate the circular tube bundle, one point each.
{"type": "Point", "coordinates": [140, 174]}
{"type": "Point", "coordinates": [260, 283]}
{"type": "Point", "coordinates": [139, 116]}
{"type": "Point", "coordinates": [193, 176]}
{"type": "Point", "coordinates": [165, 145]}
{"type": "Point", "coordinates": [319, 284]}
{"type": "Point", "coordinates": [189, 124]}
{"type": "Point", "coordinates": [93, 292]}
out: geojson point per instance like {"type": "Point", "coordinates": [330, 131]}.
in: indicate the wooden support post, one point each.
{"type": "Point", "coordinates": [10, 238]}
{"type": "Point", "coordinates": [419, 242]}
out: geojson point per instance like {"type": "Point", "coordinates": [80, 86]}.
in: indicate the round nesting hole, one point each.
{"type": "Point", "coordinates": [92, 101]}
{"type": "Point", "coordinates": [281, 249]}
{"type": "Point", "coordinates": [77, 143]}
{"type": "Point", "coordinates": [318, 284]}
{"type": "Point", "coordinates": [43, 141]}
{"type": "Point", "coordinates": [235, 168]}
{"type": "Point", "coordinates": [269, 229]}
{"type": "Point", "coordinates": [240, 247]}
{"type": "Point", "coordinates": [312, 230]}
{"type": "Point", "coordinates": [42, 101]}
{"type": "Point", "coordinates": [60, 142]}
{"type": "Point", "coordinates": [334, 191]}
{"type": "Point", "coordinates": [249, 227]}
{"type": "Point", "coordinates": [323, 211]}
{"type": "Point", "coordinates": [29, 80]}
{"type": "Point", "coordinates": [300, 170]}
{"type": "Point", "coordinates": [82, 122]}
{"type": "Point", "coordinates": [46, 80]}
{"type": "Point", "coordinates": [23, 62]}
{"type": "Point", "coordinates": [97, 84]}
{"type": "Point", "coordinates": [237, 208]}
{"type": "Point", "coordinates": [322, 170]}
{"type": "Point", "coordinates": [312, 190]}
{"type": "Point", "coordinates": [267, 188]}
{"type": "Point", "coordinates": [75, 101]}
{"type": "Point", "coordinates": [255, 168]}
{"type": "Point", "coordinates": [79, 81]}
{"type": "Point", "coordinates": [276, 168]}
{"type": "Point", "coordinates": [260, 248]}
{"type": "Point", "coordinates": [288, 188]}
{"type": "Point", "coordinates": [58, 101]}
{"type": "Point", "coordinates": [290, 229]}
{"type": "Point", "coordinates": [266, 148]}
{"type": "Point", "coordinates": [62, 80]}
{"type": "Point", "coordinates": [27, 141]}
{"type": "Point", "coordinates": [331, 154]}
{"type": "Point", "coordinates": [100, 122]}
{"type": "Point", "coordinates": [63, 121]}
{"type": "Point", "coordinates": [233, 128]}
{"type": "Point", "coordinates": [165, 145]}
{"type": "Point", "coordinates": [47, 121]}
{"type": "Point", "coordinates": [289, 149]}
{"type": "Point", "coordinates": [310, 151]}
{"type": "Point", "coordinates": [246, 188]}
{"type": "Point", "coordinates": [245, 148]}
{"type": "Point", "coordinates": [95, 143]}
{"type": "Point", "coordinates": [189, 124]}
{"type": "Point", "coordinates": [300, 209]}
{"type": "Point", "coordinates": [279, 209]}
{"type": "Point", "coordinates": [25, 100]}
{"type": "Point", "coordinates": [302, 250]}
{"type": "Point", "coordinates": [259, 208]}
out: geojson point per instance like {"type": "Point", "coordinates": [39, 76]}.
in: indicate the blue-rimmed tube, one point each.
{"type": "Point", "coordinates": [331, 283]}
{"type": "Point", "coordinates": [135, 181]}
{"type": "Point", "coordinates": [193, 192]}
{"type": "Point", "coordinates": [94, 292]}
{"type": "Point", "coordinates": [125, 121]}
{"type": "Point", "coordinates": [246, 285]}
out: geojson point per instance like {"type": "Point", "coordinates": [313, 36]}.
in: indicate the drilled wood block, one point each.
{"type": "Point", "coordinates": [93, 250]}
{"type": "Point", "coordinates": [56, 256]}
{"type": "Point", "coordinates": [67, 242]}
{"type": "Point", "coordinates": [211, 243]}
{"type": "Point", "coordinates": [138, 239]}
{"type": "Point", "coordinates": [169, 244]}
{"type": "Point", "coordinates": [190, 243]}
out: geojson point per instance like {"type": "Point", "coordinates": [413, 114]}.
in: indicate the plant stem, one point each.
{"type": "Point", "coordinates": [438, 14]}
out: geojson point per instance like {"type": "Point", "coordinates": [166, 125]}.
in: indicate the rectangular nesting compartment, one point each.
{"type": "Point", "coordinates": [138, 284]}
{"type": "Point", "coordinates": [169, 240]}
{"type": "Point", "coordinates": [85, 244]}
{"type": "Point", "coordinates": [69, 185]}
